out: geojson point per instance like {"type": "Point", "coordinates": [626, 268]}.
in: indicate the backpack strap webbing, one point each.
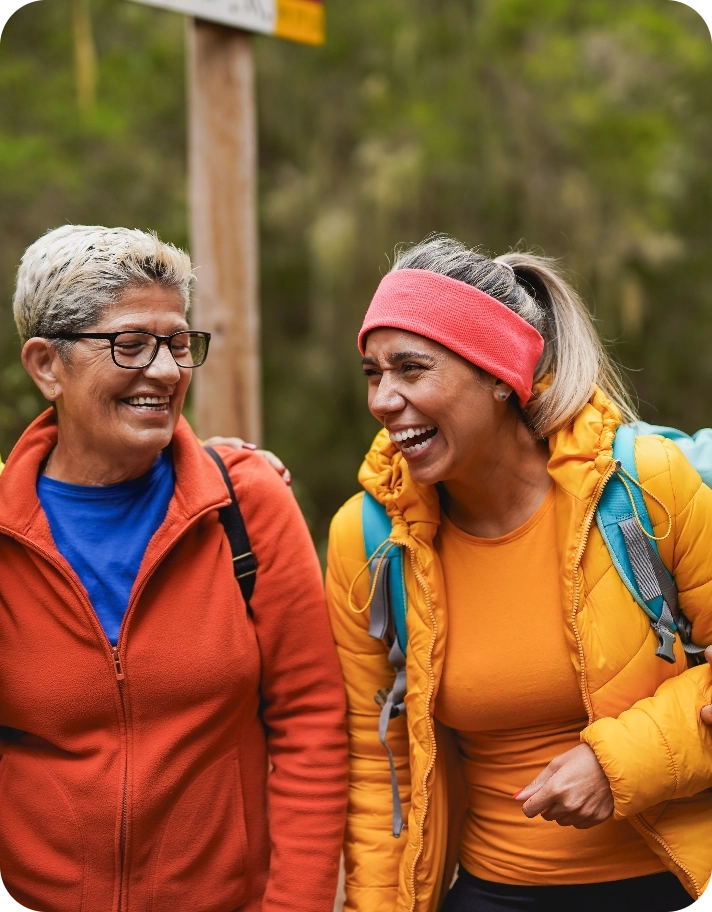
{"type": "Point", "coordinates": [647, 567]}
{"type": "Point", "coordinates": [244, 563]}
{"type": "Point", "coordinates": [634, 553]}
{"type": "Point", "coordinates": [393, 705]}
{"type": "Point", "coordinates": [387, 623]}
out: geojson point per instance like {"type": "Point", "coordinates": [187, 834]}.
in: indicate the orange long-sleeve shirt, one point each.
{"type": "Point", "coordinates": [509, 690]}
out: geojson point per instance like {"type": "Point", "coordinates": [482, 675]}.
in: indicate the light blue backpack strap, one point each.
{"type": "Point", "coordinates": [387, 616]}
{"type": "Point", "coordinates": [624, 452]}
{"type": "Point", "coordinates": [635, 555]}
{"type": "Point", "coordinates": [614, 507]}
{"type": "Point", "coordinates": [376, 531]}
{"type": "Point", "coordinates": [697, 448]}
{"type": "Point", "coordinates": [376, 523]}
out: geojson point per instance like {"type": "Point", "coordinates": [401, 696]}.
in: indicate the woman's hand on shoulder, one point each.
{"type": "Point", "coordinates": [573, 790]}
{"type": "Point", "coordinates": [237, 443]}
{"type": "Point", "coordinates": [706, 714]}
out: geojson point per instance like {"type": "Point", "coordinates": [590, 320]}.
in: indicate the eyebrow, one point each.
{"type": "Point", "coordinates": [140, 327]}
{"type": "Point", "coordinates": [396, 357]}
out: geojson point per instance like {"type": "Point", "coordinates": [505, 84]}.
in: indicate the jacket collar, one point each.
{"type": "Point", "coordinates": [579, 455]}
{"type": "Point", "coordinates": [199, 486]}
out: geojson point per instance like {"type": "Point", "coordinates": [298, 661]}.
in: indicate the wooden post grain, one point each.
{"type": "Point", "coordinates": [222, 152]}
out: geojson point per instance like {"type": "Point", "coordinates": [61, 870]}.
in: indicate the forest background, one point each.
{"type": "Point", "coordinates": [583, 129]}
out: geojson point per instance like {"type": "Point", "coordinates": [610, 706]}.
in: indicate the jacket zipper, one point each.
{"type": "Point", "coordinates": [118, 669]}
{"type": "Point", "coordinates": [588, 522]}
{"type": "Point", "coordinates": [658, 838]}
{"type": "Point", "coordinates": [433, 744]}
{"type": "Point", "coordinates": [119, 674]}
{"type": "Point", "coordinates": [115, 656]}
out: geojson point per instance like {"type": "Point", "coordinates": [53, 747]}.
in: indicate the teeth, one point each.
{"type": "Point", "coordinates": [400, 436]}
{"type": "Point", "coordinates": [148, 400]}
{"type": "Point", "coordinates": [417, 446]}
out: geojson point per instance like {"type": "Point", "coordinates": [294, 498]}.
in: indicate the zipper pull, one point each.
{"type": "Point", "coordinates": [117, 663]}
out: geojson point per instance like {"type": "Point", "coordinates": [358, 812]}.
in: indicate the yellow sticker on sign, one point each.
{"type": "Point", "coordinates": [300, 20]}
{"type": "Point", "coordinates": [296, 20]}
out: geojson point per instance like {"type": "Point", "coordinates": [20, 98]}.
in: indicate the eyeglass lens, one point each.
{"type": "Point", "coordinates": [136, 349]}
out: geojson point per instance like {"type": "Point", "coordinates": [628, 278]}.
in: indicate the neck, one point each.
{"type": "Point", "coordinates": [501, 487]}
{"type": "Point", "coordinates": [75, 465]}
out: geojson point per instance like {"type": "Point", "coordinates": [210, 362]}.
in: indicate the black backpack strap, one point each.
{"type": "Point", "coordinates": [243, 560]}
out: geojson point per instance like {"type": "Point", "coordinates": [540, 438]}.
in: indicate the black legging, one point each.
{"type": "Point", "coordinates": [654, 893]}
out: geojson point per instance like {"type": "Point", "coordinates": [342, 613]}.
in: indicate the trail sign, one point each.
{"type": "Point", "coordinates": [296, 20]}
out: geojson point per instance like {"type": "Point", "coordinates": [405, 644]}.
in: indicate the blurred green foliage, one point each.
{"type": "Point", "coordinates": [582, 128]}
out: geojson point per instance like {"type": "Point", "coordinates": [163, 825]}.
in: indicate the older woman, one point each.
{"type": "Point", "coordinates": [163, 745]}
{"type": "Point", "coordinates": [533, 677]}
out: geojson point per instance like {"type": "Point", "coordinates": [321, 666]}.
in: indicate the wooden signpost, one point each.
{"type": "Point", "coordinates": [222, 147]}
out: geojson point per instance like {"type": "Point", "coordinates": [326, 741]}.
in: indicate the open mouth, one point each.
{"type": "Point", "coordinates": [150, 403]}
{"type": "Point", "coordinates": [414, 439]}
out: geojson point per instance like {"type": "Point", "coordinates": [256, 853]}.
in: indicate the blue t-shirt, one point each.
{"type": "Point", "coordinates": [103, 533]}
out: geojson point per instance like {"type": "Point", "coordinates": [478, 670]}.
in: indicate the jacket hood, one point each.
{"type": "Point", "coordinates": [579, 455]}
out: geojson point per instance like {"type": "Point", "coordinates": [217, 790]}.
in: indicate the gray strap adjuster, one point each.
{"type": "Point", "coordinates": [654, 582]}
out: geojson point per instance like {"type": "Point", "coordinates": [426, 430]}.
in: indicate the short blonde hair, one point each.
{"type": "Point", "coordinates": [72, 274]}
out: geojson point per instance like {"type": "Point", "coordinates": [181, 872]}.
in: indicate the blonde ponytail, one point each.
{"type": "Point", "coordinates": [533, 287]}
{"type": "Point", "coordinates": [574, 356]}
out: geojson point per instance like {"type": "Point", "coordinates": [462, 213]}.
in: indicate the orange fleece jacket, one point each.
{"type": "Point", "coordinates": [139, 780]}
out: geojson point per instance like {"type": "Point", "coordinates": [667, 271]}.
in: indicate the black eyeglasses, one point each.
{"type": "Point", "coordinates": [136, 350]}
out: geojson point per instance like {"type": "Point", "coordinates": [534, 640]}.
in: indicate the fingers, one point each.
{"type": "Point", "coordinates": [573, 791]}
{"type": "Point", "coordinates": [237, 443]}
{"type": "Point", "coordinates": [535, 785]}
{"type": "Point", "coordinates": [273, 460]}
{"type": "Point", "coordinates": [543, 801]}
{"type": "Point", "coordinates": [569, 807]}
{"type": "Point", "coordinates": [277, 465]}
{"type": "Point", "coordinates": [706, 712]}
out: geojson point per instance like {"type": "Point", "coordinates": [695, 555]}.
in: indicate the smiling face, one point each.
{"type": "Point", "coordinates": [442, 414]}
{"type": "Point", "coordinates": [110, 416]}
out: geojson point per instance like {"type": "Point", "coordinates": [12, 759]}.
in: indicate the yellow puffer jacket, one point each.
{"type": "Point", "coordinates": [644, 713]}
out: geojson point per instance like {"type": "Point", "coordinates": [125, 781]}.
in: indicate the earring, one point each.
{"type": "Point", "coordinates": [51, 392]}
{"type": "Point", "coordinates": [502, 396]}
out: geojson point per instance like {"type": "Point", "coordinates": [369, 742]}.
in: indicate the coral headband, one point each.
{"type": "Point", "coordinates": [462, 318]}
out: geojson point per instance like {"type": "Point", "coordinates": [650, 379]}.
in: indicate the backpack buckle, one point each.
{"type": "Point", "coordinates": [381, 696]}
{"type": "Point", "coordinates": [666, 639]}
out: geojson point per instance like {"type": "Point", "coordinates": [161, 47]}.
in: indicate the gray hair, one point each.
{"type": "Point", "coordinates": [71, 275]}
{"type": "Point", "coordinates": [533, 287]}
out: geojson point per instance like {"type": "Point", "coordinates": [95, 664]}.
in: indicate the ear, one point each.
{"type": "Point", "coordinates": [501, 390]}
{"type": "Point", "coordinates": [42, 362]}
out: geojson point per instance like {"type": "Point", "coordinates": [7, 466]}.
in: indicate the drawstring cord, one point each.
{"type": "Point", "coordinates": [621, 473]}
{"type": "Point", "coordinates": [382, 550]}
{"type": "Point", "coordinates": [375, 554]}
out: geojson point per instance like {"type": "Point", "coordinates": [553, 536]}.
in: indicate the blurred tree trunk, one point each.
{"type": "Point", "coordinates": [84, 57]}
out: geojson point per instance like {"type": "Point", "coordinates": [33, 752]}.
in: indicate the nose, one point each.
{"type": "Point", "coordinates": [386, 398]}
{"type": "Point", "coordinates": [163, 367]}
